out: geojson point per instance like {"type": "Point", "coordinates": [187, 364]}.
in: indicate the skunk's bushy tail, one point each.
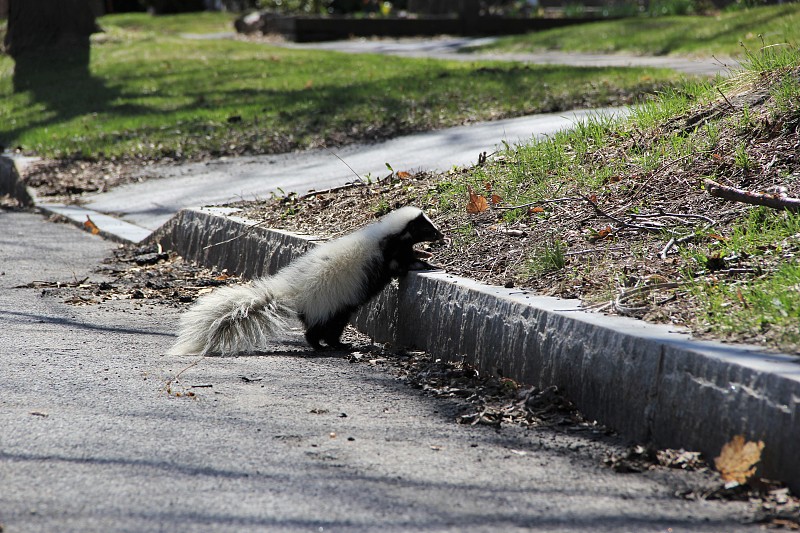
{"type": "Point", "coordinates": [233, 319]}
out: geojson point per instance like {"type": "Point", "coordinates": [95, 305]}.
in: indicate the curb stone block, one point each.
{"type": "Point", "coordinates": [647, 382]}
{"type": "Point", "coordinates": [215, 237]}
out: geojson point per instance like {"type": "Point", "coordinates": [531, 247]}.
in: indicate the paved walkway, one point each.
{"type": "Point", "coordinates": [459, 49]}
{"type": "Point", "coordinates": [463, 49]}
{"type": "Point", "coordinates": [153, 202]}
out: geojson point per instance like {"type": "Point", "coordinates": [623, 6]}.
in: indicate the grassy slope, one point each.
{"type": "Point", "coordinates": [700, 35]}
{"type": "Point", "coordinates": [153, 94]}
{"type": "Point", "coordinates": [740, 276]}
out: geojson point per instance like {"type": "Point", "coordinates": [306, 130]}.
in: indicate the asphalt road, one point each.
{"type": "Point", "coordinates": [92, 441]}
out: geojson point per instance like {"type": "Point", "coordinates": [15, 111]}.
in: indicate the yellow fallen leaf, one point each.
{"type": "Point", "coordinates": [739, 459]}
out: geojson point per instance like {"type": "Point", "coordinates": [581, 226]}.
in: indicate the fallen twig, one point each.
{"type": "Point", "coordinates": [627, 294]}
{"type": "Point", "coordinates": [668, 247]}
{"type": "Point", "coordinates": [347, 185]}
{"type": "Point", "coordinates": [775, 201]}
{"type": "Point", "coordinates": [52, 284]}
{"type": "Point", "coordinates": [674, 242]}
{"type": "Point", "coordinates": [664, 214]}
{"type": "Point", "coordinates": [359, 178]}
{"type": "Point", "coordinates": [237, 236]}
{"type": "Point", "coordinates": [622, 223]}
{"type": "Point", "coordinates": [176, 379]}
{"type": "Point", "coordinates": [726, 99]}
{"type": "Point", "coordinates": [541, 202]}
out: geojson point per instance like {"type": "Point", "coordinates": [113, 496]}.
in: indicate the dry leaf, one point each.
{"type": "Point", "coordinates": [309, 84]}
{"type": "Point", "coordinates": [488, 186]}
{"type": "Point", "coordinates": [496, 199]}
{"type": "Point", "coordinates": [477, 203]}
{"type": "Point", "coordinates": [738, 459]}
{"type": "Point", "coordinates": [603, 233]}
{"type": "Point", "coordinates": [403, 175]}
{"type": "Point", "coordinates": [91, 226]}
{"type": "Point", "coordinates": [537, 209]}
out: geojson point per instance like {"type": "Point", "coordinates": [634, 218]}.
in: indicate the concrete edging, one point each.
{"type": "Point", "coordinates": [106, 226]}
{"type": "Point", "coordinates": [647, 382]}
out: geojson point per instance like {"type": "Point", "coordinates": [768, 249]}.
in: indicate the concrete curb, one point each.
{"type": "Point", "coordinates": [647, 382]}
{"type": "Point", "coordinates": [108, 227]}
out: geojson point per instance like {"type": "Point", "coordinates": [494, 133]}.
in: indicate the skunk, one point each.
{"type": "Point", "coordinates": [323, 287]}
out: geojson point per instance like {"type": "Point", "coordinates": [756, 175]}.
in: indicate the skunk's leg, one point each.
{"type": "Point", "coordinates": [332, 329]}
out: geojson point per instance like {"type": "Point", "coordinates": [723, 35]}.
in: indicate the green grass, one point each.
{"type": "Point", "coordinates": [153, 93]}
{"type": "Point", "coordinates": [769, 305]}
{"type": "Point", "coordinates": [547, 258]}
{"type": "Point", "coordinates": [687, 35]}
{"type": "Point", "coordinates": [198, 23]}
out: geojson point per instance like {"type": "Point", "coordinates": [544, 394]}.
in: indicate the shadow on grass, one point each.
{"type": "Point", "coordinates": [62, 82]}
{"type": "Point", "coordinates": [178, 106]}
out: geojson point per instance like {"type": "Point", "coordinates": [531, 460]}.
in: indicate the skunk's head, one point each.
{"type": "Point", "coordinates": [397, 234]}
{"type": "Point", "coordinates": [412, 226]}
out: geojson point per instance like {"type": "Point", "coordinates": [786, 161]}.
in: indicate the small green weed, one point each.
{"type": "Point", "coordinates": [766, 243]}
{"type": "Point", "coordinates": [549, 257]}
{"type": "Point", "coordinates": [742, 158]}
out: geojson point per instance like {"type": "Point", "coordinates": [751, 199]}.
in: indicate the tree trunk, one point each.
{"type": "Point", "coordinates": [44, 35]}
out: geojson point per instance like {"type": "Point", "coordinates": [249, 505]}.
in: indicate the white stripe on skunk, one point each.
{"type": "Point", "coordinates": [323, 287]}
